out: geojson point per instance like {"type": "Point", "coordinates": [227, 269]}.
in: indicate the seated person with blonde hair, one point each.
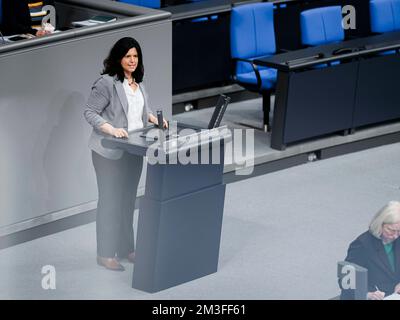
{"type": "Point", "coordinates": [378, 250]}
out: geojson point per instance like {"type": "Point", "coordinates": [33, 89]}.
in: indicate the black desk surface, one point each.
{"type": "Point", "coordinates": [312, 55]}
{"type": "Point", "coordinates": [194, 9]}
{"type": "Point", "coordinates": [201, 8]}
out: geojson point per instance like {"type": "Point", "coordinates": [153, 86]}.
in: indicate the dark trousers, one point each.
{"type": "Point", "coordinates": [117, 182]}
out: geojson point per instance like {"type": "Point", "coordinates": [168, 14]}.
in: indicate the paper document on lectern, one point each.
{"type": "Point", "coordinates": [393, 296]}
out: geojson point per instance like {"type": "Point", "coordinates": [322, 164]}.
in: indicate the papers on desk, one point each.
{"type": "Point", "coordinates": [24, 36]}
{"type": "Point", "coordinates": [17, 37]}
{"type": "Point", "coordinates": [95, 20]}
{"type": "Point", "coordinates": [102, 19]}
{"type": "Point", "coordinates": [84, 23]}
{"type": "Point", "coordinates": [393, 296]}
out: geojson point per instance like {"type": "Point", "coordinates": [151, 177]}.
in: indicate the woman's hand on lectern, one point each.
{"type": "Point", "coordinates": [153, 119]}
{"type": "Point", "coordinates": [120, 133]}
{"type": "Point", "coordinates": [115, 132]}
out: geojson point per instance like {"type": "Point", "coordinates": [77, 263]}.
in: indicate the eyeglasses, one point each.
{"type": "Point", "coordinates": [391, 230]}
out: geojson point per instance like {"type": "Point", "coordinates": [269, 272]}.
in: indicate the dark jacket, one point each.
{"type": "Point", "coordinates": [369, 252]}
{"type": "Point", "coordinates": [16, 17]}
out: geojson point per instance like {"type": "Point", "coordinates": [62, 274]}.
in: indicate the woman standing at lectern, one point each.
{"type": "Point", "coordinates": [117, 104]}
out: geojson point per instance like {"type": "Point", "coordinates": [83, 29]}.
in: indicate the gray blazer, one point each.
{"type": "Point", "coordinates": [108, 103]}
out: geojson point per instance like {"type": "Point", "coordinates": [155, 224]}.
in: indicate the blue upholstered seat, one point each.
{"type": "Point", "coordinates": [143, 3]}
{"type": "Point", "coordinates": [253, 36]}
{"type": "Point", "coordinates": [385, 15]}
{"type": "Point", "coordinates": [268, 77]}
{"type": "Point", "coordinates": [321, 26]}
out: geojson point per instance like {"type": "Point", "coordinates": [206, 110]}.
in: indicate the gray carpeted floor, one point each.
{"type": "Point", "coordinates": [283, 234]}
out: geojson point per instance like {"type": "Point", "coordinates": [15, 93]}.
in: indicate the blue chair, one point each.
{"type": "Point", "coordinates": [253, 36]}
{"type": "Point", "coordinates": [144, 3]}
{"type": "Point", "coordinates": [385, 15]}
{"type": "Point", "coordinates": [321, 26]}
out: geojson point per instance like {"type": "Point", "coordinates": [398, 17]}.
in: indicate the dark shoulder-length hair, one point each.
{"type": "Point", "coordinates": [112, 64]}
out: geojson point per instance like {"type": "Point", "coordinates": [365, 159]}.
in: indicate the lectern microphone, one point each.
{"type": "Point", "coordinates": [160, 119]}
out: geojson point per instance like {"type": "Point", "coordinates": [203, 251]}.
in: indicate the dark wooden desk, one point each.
{"type": "Point", "coordinates": [201, 44]}
{"type": "Point", "coordinates": [287, 19]}
{"type": "Point", "coordinates": [316, 96]}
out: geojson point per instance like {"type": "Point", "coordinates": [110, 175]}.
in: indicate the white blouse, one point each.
{"type": "Point", "coordinates": [135, 106]}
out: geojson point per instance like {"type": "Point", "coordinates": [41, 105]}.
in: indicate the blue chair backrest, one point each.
{"type": "Point", "coordinates": [252, 32]}
{"type": "Point", "coordinates": [321, 25]}
{"type": "Point", "coordinates": [144, 3]}
{"type": "Point", "coordinates": [385, 15]}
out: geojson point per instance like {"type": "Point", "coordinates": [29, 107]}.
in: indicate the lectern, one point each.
{"type": "Point", "coordinates": [180, 215]}
{"type": "Point", "coordinates": [358, 275]}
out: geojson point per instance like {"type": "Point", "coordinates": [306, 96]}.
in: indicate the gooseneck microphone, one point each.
{"type": "Point", "coordinates": [160, 119]}
{"type": "Point", "coordinates": [2, 38]}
